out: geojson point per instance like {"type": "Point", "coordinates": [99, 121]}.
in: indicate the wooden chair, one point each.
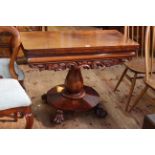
{"type": "Point", "coordinates": [137, 65]}
{"type": "Point", "coordinates": [5, 62]}
{"type": "Point", "coordinates": [149, 63]}
{"type": "Point", "coordinates": [13, 98]}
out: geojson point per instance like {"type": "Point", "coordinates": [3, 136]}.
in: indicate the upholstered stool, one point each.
{"type": "Point", "coordinates": [14, 100]}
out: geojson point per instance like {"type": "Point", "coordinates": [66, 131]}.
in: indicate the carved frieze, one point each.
{"type": "Point", "coordinates": [82, 64]}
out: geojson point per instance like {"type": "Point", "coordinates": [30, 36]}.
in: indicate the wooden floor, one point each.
{"type": "Point", "coordinates": [103, 80]}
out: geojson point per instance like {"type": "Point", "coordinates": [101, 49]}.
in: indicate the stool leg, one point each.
{"type": "Point", "coordinates": [139, 97]}
{"type": "Point", "coordinates": [133, 82]}
{"type": "Point", "coordinates": [121, 78]}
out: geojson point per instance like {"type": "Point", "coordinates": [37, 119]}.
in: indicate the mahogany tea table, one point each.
{"type": "Point", "coordinates": [73, 49]}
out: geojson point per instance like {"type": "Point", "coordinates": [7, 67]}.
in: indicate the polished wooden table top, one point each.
{"type": "Point", "coordinates": [76, 45]}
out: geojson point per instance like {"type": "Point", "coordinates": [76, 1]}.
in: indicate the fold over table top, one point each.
{"type": "Point", "coordinates": [76, 45]}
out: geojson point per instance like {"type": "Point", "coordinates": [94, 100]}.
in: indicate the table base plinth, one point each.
{"type": "Point", "coordinates": [57, 99]}
{"type": "Point", "coordinates": [90, 100]}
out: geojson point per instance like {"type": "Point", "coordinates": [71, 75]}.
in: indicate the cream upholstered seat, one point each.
{"type": "Point", "coordinates": [4, 69]}
{"type": "Point", "coordinates": [14, 100]}
{"type": "Point", "coordinates": [12, 95]}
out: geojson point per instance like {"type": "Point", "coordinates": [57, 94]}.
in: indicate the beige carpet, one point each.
{"type": "Point", "coordinates": [37, 83]}
{"type": "Point", "coordinates": [104, 81]}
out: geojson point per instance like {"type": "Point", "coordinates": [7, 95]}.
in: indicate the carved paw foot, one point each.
{"type": "Point", "coordinates": [44, 98]}
{"type": "Point", "coordinates": [59, 117]}
{"type": "Point", "coordinates": [100, 112]}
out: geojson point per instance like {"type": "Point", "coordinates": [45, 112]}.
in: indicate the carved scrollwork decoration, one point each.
{"type": "Point", "coordinates": [82, 64]}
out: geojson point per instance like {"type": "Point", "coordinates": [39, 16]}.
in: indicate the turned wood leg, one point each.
{"type": "Point", "coordinates": [139, 97]}
{"type": "Point", "coordinates": [121, 78]}
{"type": "Point", "coordinates": [29, 118]}
{"type": "Point", "coordinates": [133, 82]}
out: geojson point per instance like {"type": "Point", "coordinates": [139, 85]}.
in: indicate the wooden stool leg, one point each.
{"type": "Point", "coordinates": [133, 82]}
{"type": "Point", "coordinates": [121, 78]}
{"type": "Point", "coordinates": [138, 98]}
{"type": "Point", "coordinates": [29, 118]}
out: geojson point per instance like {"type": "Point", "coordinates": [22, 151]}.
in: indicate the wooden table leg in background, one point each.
{"type": "Point", "coordinates": [73, 95]}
